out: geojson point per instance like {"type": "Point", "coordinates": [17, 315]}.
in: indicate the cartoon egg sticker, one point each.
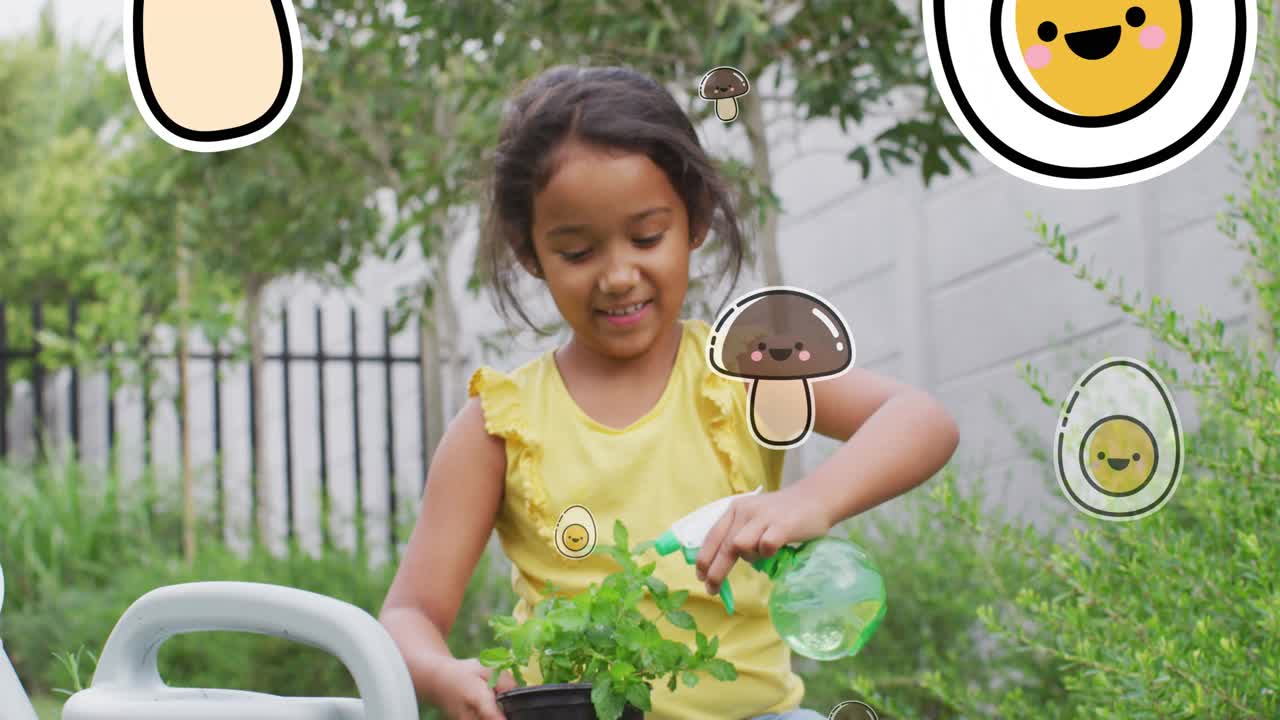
{"type": "Point", "coordinates": [576, 533]}
{"type": "Point", "coordinates": [1091, 94]}
{"type": "Point", "coordinates": [1118, 447]}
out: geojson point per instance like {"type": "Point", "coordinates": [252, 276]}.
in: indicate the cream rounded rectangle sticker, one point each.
{"type": "Point", "coordinates": [1089, 95]}
{"type": "Point", "coordinates": [213, 75]}
{"type": "Point", "coordinates": [1118, 446]}
{"type": "Point", "coordinates": [780, 339]}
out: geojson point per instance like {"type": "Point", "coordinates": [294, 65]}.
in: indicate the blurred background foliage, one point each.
{"type": "Point", "coordinates": [1174, 617]}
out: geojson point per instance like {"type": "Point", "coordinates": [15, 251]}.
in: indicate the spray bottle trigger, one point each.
{"type": "Point", "coordinates": [726, 595]}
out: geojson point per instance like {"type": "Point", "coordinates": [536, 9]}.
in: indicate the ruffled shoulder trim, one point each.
{"type": "Point", "coordinates": [722, 411]}
{"type": "Point", "coordinates": [505, 417]}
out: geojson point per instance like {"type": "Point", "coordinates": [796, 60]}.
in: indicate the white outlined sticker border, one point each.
{"type": "Point", "coordinates": [278, 117]}
{"type": "Point", "coordinates": [1022, 142]}
{"type": "Point", "coordinates": [1072, 477]}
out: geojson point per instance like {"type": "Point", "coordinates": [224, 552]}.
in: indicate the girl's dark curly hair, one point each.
{"type": "Point", "coordinates": [610, 107]}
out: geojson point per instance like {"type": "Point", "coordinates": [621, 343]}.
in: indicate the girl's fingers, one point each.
{"type": "Point", "coordinates": [711, 544]}
{"type": "Point", "coordinates": [505, 682]}
{"type": "Point", "coordinates": [771, 541]}
{"type": "Point", "coordinates": [742, 540]}
{"type": "Point", "coordinates": [746, 543]}
{"type": "Point", "coordinates": [484, 706]}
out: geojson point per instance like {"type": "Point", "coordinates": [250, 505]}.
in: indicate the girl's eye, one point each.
{"type": "Point", "coordinates": [575, 256]}
{"type": "Point", "coordinates": [649, 241]}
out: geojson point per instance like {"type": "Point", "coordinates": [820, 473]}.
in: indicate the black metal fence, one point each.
{"type": "Point", "coordinates": [219, 360]}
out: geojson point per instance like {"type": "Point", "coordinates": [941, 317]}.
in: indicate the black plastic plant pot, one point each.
{"type": "Point", "coordinates": [565, 701]}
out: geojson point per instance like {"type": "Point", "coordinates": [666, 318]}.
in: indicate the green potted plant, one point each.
{"type": "Point", "coordinates": [597, 653]}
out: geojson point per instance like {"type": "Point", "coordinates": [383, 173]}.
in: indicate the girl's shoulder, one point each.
{"type": "Point", "coordinates": [694, 358]}
{"type": "Point", "coordinates": [504, 395]}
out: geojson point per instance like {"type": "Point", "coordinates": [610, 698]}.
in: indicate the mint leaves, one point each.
{"type": "Point", "coordinates": [600, 636]}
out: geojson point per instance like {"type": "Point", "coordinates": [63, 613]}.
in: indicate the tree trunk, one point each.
{"type": "Point", "coordinates": [452, 372]}
{"type": "Point", "coordinates": [254, 288]}
{"type": "Point", "coordinates": [770, 262]}
{"type": "Point", "coordinates": [440, 334]}
{"type": "Point", "coordinates": [432, 382]}
{"type": "Point", "coordinates": [184, 414]}
{"type": "Point", "coordinates": [753, 119]}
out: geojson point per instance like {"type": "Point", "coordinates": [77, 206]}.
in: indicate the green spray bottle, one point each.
{"type": "Point", "coordinates": [828, 597]}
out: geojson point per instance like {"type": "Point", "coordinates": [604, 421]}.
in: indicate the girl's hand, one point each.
{"type": "Point", "coordinates": [758, 526]}
{"type": "Point", "coordinates": [462, 690]}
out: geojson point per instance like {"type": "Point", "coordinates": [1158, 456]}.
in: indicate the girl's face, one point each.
{"type": "Point", "coordinates": [612, 237]}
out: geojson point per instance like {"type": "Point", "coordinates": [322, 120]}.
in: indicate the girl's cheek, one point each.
{"type": "Point", "coordinates": [1038, 56]}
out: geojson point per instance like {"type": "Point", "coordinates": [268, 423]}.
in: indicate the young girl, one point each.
{"type": "Point", "coordinates": [602, 191]}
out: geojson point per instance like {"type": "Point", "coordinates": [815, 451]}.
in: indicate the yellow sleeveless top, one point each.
{"type": "Point", "coordinates": [692, 448]}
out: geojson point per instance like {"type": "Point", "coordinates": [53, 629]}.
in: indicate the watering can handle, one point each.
{"type": "Point", "coordinates": [339, 628]}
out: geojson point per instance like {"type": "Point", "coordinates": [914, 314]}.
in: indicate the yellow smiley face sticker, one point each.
{"type": "Point", "coordinates": [1090, 94]}
{"type": "Point", "coordinates": [575, 537]}
{"type": "Point", "coordinates": [1118, 446]}
{"type": "Point", "coordinates": [1103, 58]}
{"type": "Point", "coordinates": [1121, 454]}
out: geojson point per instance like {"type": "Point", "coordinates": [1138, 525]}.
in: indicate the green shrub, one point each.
{"type": "Point", "coordinates": [66, 532]}
{"type": "Point", "coordinates": [938, 572]}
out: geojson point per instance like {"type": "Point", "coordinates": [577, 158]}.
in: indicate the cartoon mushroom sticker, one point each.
{"type": "Point", "coordinates": [781, 339]}
{"type": "Point", "coordinates": [724, 85]}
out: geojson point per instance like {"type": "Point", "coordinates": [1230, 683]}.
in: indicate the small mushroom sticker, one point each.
{"type": "Point", "coordinates": [780, 339]}
{"type": "Point", "coordinates": [724, 85]}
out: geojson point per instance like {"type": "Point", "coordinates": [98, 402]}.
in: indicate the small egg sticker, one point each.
{"type": "Point", "coordinates": [576, 533]}
{"type": "Point", "coordinates": [1119, 444]}
{"type": "Point", "coordinates": [1091, 94]}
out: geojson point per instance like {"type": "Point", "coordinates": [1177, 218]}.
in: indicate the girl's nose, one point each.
{"type": "Point", "coordinates": [619, 276]}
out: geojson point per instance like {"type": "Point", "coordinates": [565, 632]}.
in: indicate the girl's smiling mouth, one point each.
{"type": "Point", "coordinates": [623, 315]}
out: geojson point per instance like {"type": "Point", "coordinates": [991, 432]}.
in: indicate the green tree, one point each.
{"type": "Point", "coordinates": [408, 103]}
{"type": "Point", "coordinates": [57, 101]}
{"type": "Point", "coordinates": [103, 213]}
{"type": "Point", "coordinates": [245, 218]}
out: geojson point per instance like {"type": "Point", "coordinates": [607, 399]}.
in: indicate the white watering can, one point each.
{"type": "Point", "coordinates": [127, 683]}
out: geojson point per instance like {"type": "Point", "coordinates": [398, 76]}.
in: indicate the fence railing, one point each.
{"type": "Point", "coordinates": [219, 361]}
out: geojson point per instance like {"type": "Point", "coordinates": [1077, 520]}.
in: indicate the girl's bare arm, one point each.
{"type": "Point", "coordinates": [463, 493]}
{"type": "Point", "coordinates": [895, 437]}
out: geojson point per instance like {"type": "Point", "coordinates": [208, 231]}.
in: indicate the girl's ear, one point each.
{"type": "Point", "coordinates": [698, 236]}
{"type": "Point", "coordinates": [530, 263]}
